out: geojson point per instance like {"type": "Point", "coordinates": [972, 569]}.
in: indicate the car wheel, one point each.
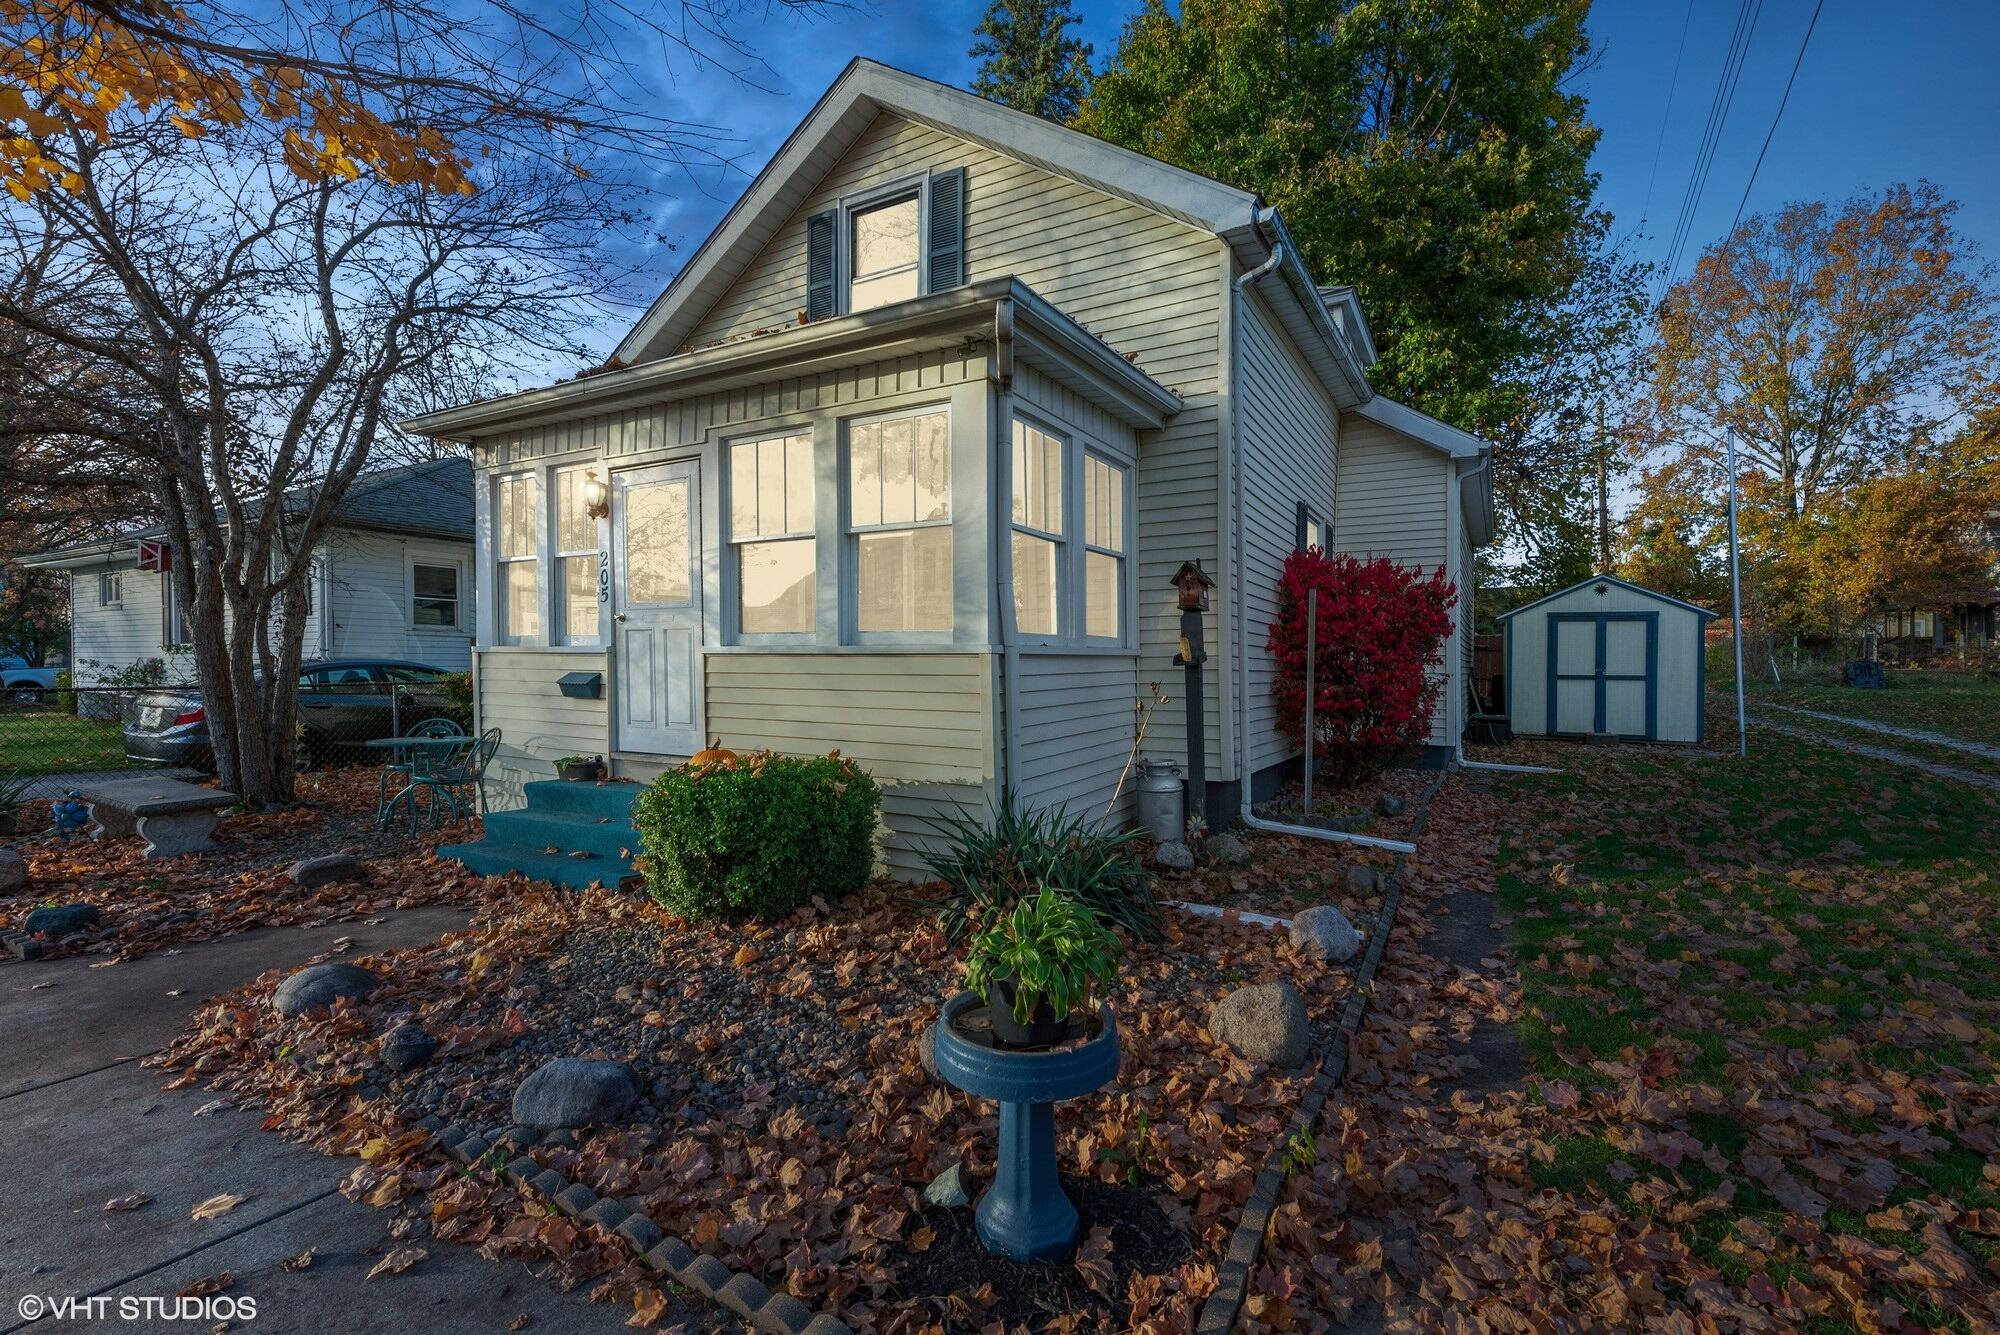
{"type": "Point", "coordinates": [25, 695]}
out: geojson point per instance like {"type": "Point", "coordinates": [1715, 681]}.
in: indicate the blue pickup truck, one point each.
{"type": "Point", "coordinates": [23, 684]}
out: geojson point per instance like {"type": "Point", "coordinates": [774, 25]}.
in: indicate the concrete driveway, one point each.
{"type": "Point", "coordinates": [84, 1123]}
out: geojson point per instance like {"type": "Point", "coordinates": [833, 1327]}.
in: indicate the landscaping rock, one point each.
{"type": "Point", "coordinates": [1391, 805]}
{"type": "Point", "coordinates": [1265, 1023]}
{"type": "Point", "coordinates": [407, 1047]}
{"type": "Point", "coordinates": [1363, 880]}
{"type": "Point", "coordinates": [59, 920]}
{"type": "Point", "coordinates": [947, 1189]}
{"type": "Point", "coordinates": [312, 873]}
{"type": "Point", "coordinates": [1174, 856]}
{"type": "Point", "coordinates": [927, 1051]}
{"type": "Point", "coordinates": [572, 1091]}
{"type": "Point", "coordinates": [1324, 933]}
{"type": "Point", "coordinates": [1228, 850]}
{"type": "Point", "coordinates": [13, 870]}
{"type": "Point", "coordinates": [320, 985]}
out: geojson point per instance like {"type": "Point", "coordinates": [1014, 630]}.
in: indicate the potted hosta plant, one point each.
{"type": "Point", "coordinates": [581, 769]}
{"type": "Point", "coordinates": [1039, 964]}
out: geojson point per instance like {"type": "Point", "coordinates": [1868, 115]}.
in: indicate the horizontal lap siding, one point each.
{"type": "Point", "coordinates": [1289, 432]}
{"type": "Point", "coordinates": [103, 639]}
{"type": "Point", "coordinates": [1076, 731]}
{"type": "Point", "coordinates": [369, 576]}
{"type": "Point", "coordinates": [1391, 502]}
{"type": "Point", "coordinates": [920, 724]}
{"type": "Point", "coordinates": [517, 694]}
{"type": "Point", "coordinates": [1147, 285]}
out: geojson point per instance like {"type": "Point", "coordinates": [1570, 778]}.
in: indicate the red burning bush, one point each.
{"type": "Point", "coordinates": [1380, 625]}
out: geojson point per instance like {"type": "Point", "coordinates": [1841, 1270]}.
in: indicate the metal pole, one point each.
{"type": "Point", "coordinates": [1736, 605]}
{"type": "Point", "coordinates": [1312, 689]}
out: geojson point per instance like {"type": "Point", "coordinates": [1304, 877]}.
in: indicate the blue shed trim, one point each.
{"type": "Point", "coordinates": [1640, 589]}
{"type": "Point", "coordinates": [1507, 667]}
{"type": "Point", "coordinates": [1598, 676]}
{"type": "Point", "coordinates": [1700, 684]}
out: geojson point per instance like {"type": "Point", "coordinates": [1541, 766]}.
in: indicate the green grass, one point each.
{"type": "Point", "coordinates": [1791, 911]}
{"type": "Point", "coordinates": [1951, 703]}
{"type": "Point", "coordinates": [44, 740]}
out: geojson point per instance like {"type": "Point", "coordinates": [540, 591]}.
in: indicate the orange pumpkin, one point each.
{"type": "Point", "coordinates": [712, 755]}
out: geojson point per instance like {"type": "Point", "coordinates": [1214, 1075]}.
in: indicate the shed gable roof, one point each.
{"type": "Point", "coordinates": [1639, 589]}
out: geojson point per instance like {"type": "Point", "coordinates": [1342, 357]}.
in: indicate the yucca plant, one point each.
{"type": "Point", "coordinates": [1039, 964]}
{"type": "Point", "coordinates": [991, 865]}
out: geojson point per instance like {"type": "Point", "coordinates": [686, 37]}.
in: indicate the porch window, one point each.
{"type": "Point", "coordinates": [575, 559]}
{"type": "Point", "coordinates": [885, 250]}
{"type": "Point", "coordinates": [1104, 549]}
{"type": "Point", "coordinates": [899, 520]}
{"type": "Point", "coordinates": [1038, 531]}
{"type": "Point", "coordinates": [515, 571]}
{"type": "Point", "coordinates": [771, 528]}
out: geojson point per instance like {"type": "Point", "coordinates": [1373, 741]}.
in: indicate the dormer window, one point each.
{"type": "Point", "coordinates": [883, 242]}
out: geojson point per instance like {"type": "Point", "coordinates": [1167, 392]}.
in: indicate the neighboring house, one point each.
{"type": "Point", "coordinates": [391, 579]}
{"type": "Point", "coordinates": [1970, 620]}
{"type": "Point", "coordinates": [905, 457]}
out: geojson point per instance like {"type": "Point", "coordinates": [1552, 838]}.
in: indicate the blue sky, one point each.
{"type": "Point", "coordinates": [1887, 93]}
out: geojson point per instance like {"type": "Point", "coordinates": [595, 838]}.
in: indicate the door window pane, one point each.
{"type": "Point", "coordinates": [884, 254]}
{"type": "Point", "coordinates": [1034, 584]}
{"type": "Point", "coordinates": [657, 544]}
{"type": "Point", "coordinates": [775, 581]}
{"type": "Point", "coordinates": [905, 580]}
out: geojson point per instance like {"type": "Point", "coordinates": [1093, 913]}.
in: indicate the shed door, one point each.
{"type": "Point", "coordinates": [656, 591]}
{"type": "Point", "coordinates": [1601, 673]}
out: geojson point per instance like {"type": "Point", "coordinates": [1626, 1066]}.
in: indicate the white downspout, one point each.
{"type": "Point", "coordinates": [1242, 702]}
{"type": "Point", "coordinates": [1001, 509]}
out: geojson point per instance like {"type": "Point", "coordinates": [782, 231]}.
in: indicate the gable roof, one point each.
{"type": "Point", "coordinates": [864, 90]}
{"type": "Point", "coordinates": [428, 499]}
{"type": "Point", "coordinates": [1609, 579]}
{"type": "Point", "coordinates": [1422, 427]}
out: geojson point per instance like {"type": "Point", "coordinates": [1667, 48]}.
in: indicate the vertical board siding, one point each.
{"type": "Point", "coordinates": [1289, 433]}
{"type": "Point", "coordinates": [1076, 726]}
{"type": "Point", "coordinates": [1392, 502]}
{"type": "Point", "coordinates": [1145, 284]}
{"type": "Point", "coordinates": [921, 724]}
{"type": "Point", "coordinates": [517, 693]}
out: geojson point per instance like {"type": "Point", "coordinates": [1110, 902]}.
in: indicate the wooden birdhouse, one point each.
{"type": "Point", "coordinates": [1192, 583]}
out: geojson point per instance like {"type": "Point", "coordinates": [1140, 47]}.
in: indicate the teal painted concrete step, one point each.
{"type": "Point", "coordinates": [495, 859]}
{"type": "Point", "coordinates": [594, 799]}
{"type": "Point", "coordinates": [563, 830]}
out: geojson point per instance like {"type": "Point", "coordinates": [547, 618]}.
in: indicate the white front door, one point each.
{"type": "Point", "coordinates": [656, 607]}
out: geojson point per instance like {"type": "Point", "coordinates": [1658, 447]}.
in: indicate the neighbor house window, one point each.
{"type": "Point", "coordinates": [173, 617]}
{"type": "Point", "coordinates": [576, 559]}
{"type": "Point", "coordinates": [1311, 532]}
{"type": "Point", "coordinates": [884, 245]}
{"type": "Point", "coordinates": [771, 529]}
{"type": "Point", "coordinates": [899, 519]}
{"type": "Point", "coordinates": [110, 588]}
{"type": "Point", "coordinates": [516, 579]}
{"type": "Point", "coordinates": [1104, 548]}
{"type": "Point", "coordinates": [1038, 530]}
{"type": "Point", "coordinates": [433, 596]}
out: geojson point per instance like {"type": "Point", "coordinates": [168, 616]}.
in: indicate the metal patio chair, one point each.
{"type": "Point", "coordinates": [457, 778]}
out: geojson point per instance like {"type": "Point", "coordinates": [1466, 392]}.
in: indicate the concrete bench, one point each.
{"type": "Point", "coordinates": [171, 816]}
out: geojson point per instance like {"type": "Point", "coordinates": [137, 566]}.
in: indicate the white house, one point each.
{"type": "Point", "coordinates": [904, 458]}
{"type": "Point", "coordinates": [392, 579]}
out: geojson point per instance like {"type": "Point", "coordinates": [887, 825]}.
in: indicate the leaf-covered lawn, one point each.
{"type": "Point", "coordinates": [44, 740]}
{"type": "Point", "coordinates": [1955, 704]}
{"type": "Point", "coordinates": [1757, 1003]}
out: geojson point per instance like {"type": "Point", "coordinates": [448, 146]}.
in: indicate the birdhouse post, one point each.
{"type": "Point", "coordinates": [1191, 586]}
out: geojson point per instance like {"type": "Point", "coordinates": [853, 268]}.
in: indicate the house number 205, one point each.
{"type": "Point", "coordinates": [604, 577]}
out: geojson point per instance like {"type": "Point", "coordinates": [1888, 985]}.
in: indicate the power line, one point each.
{"type": "Point", "coordinates": [1673, 84]}
{"type": "Point", "coordinates": [1733, 62]}
{"type": "Point", "coordinates": [1779, 115]}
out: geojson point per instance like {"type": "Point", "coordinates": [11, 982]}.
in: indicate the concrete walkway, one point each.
{"type": "Point", "coordinates": [1885, 754]}
{"type": "Point", "coordinates": [1985, 750]}
{"type": "Point", "coordinates": [85, 1124]}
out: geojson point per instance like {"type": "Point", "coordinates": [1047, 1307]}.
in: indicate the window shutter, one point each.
{"type": "Point", "coordinates": [820, 264]}
{"type": "Point", "coordinates": [945, 252]}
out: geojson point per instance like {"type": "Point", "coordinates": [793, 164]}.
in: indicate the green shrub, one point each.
{"type": "Point", "coordinates": [65, 697]}
{"type": "Point", "coordinates": [991, 865]}
{"type": "Point", "coordinates": [758, 838]}
{"type": "Point", "coordinates": [1051, 948]}
{"type": "Point", "coordinates": [457, 690]}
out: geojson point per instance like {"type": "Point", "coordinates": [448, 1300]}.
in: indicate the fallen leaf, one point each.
{"type": "Point", "coordinates": [120, 1204]}
{"type": "Point", "coordinates": [398, 1261]}
{"type": "Point", "coordinates": [291, 1265]}
{"type": "Point", "coordinates": [208, 1284]}
{"type": "Point", "coordinates": [217, 1206]}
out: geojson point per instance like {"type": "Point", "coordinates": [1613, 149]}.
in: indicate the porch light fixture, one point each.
{"type": "Point", "coordinates": [596, 495]}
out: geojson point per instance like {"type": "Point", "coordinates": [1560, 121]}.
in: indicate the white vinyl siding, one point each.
{"type": "Point", "coordinates": [1290, 433]}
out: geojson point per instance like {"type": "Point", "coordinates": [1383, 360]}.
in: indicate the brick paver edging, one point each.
{"type": "Point", "coordinates": [1225, 1304]}
{"type": "Point", "coordinates": [743, 1294]}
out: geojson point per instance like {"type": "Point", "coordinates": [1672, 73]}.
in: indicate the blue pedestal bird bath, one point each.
{"type": "Point", "coordinates": [1024, 1215]}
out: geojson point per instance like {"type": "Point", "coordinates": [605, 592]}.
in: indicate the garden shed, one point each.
{"type": "Point", "coordinates": [1606, 657]}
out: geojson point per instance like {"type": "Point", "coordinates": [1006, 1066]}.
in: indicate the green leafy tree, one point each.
{"type": "Point", "coordinates": [1029, 61]}
{"type": "Point", "coordinates": [1433, 153]}
{"type": "Point", "coordinates": [34, 614]}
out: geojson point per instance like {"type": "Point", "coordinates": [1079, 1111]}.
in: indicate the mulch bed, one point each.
{"type": "Point", "coordinates": [788, 1126]}
{"type": "Point", "coordinates": [241, 884]}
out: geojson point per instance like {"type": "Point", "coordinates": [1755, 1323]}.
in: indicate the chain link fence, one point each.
{"type": "Point", "coordinates": [92, 729]}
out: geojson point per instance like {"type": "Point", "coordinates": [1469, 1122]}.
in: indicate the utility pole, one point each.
{"type": "Point", "coordinates": [1603, 495]}
{"type": "Point", "coordinates": [1736, 605]}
